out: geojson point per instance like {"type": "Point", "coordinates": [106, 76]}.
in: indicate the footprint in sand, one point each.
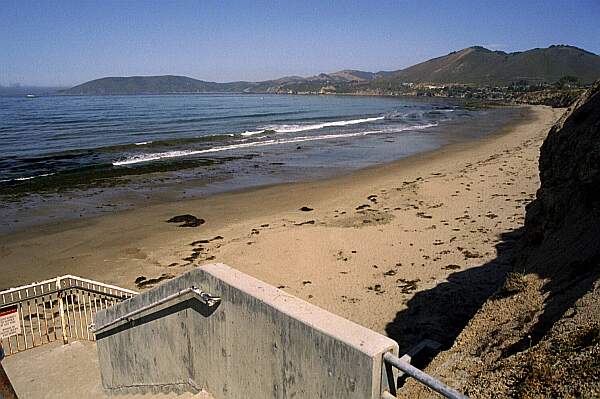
{"type": "Point", "coordinates": [303, 223]}
{"type": "Point", "coordinates": [376, 288]}
{"type": "Point", "coordinates": [143, 282]}
{"type": "Point", "coordinates": [407, 286]}
{"type": "Point", "coordinates": [451, 267]}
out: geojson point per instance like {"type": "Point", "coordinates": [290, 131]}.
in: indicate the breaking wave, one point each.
{"type": "Point", "coordinates": [26, 178]}
{"type": "Point", "coordinates": [183, 153]}
{"type": "Point", "coordinates": [294, 128]}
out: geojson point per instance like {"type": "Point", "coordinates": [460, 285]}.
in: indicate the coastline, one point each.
{"type": "Point", "coordinates": [364, 264]}
{"type": "Point", "coordinates": [42, 185]}
{"type": "Point", "coordinates": [93, 186]}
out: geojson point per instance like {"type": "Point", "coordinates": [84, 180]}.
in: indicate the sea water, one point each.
{"type": "Point", "coordinates": [46, 137]}
{"type": "Point", "coordinates": [54, 145]}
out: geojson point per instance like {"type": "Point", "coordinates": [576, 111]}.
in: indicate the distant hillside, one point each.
{"type": "Point", "coordinates": [480, 66]}
{"type": "Point", "coordinates": [182, 84]}
{"type": "Point", "coordinates": [152, 85]}
{"type": "Point", "coordinates": [476, 66]}
{"type": "Point", "coordinates": [345, 76]}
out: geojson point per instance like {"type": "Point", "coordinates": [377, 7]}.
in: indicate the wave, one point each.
{"type": "Point", "coordinates": [253, 132]}
{"type": "Point", "coordinates": [419, 127]}
{"type": "Point", "coordinates": [176, 154]}
{"type": "Point", "coordinates": [26, 178]}
{"type": "Point", "coordinates": [183, 153]}
{"type": "Point", "coordinates": [303, 128]}
{"type": "Point", "coordinates": [192, 119]}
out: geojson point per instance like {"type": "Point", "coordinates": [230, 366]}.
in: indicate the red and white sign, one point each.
{"type": "Point", "coordinates": [9, 322]}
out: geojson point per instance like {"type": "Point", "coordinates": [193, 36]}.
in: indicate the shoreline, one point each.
{"type": "Point", "coordinates": [38, 208]}
{"type": "Point", "coordinates": [373, 239]}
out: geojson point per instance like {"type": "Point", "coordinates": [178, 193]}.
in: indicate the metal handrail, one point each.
{"type": "Point", "coordinates": [200, 295]}
{"type": "Point", "coordinates": [420, 376]}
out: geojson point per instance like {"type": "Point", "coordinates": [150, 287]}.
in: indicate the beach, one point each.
{"type": "Point", "coordinates": [361, 245]}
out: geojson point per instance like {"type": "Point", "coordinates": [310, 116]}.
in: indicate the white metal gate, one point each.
{"type": "Point", "coordinates": [63, 307]}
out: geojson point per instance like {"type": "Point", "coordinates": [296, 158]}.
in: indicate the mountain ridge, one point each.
{"type": "Point", "coordinates": [475, 65]}
{"type": "Point", "coordinates": [479, 65]}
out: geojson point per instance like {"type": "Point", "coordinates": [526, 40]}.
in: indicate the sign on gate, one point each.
{"type": "Point", "coordinates": [9, 322]}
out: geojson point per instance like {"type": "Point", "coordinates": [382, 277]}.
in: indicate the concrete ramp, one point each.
{"type": "Point", "coordinates": [258, 342]}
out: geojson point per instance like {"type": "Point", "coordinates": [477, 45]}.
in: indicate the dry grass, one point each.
{"type": "Point", "coordinates": [565, 367]}
{"type": "Point", "coordinates": [515, 282]}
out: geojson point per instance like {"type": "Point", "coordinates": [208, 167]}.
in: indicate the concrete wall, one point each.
{"type": "Point", "coordinates": [258, 343]}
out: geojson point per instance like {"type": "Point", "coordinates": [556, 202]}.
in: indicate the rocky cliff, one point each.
{"type": "Point", "coordinates": [538, 336]}
{"type": "Point", "coordinates": [563, 223]}
{"type": "Point", "coordinates": [556, 98]}
{"type": "Point", "coordinates": [558, 354]}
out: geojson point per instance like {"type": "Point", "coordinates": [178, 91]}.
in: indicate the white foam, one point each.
{"type": "Point", "coordinates": [302, 128]}
{"type": "Point", "coordinates": [396, 129]}
{"type": "Point", "coordinates": [252, 133]}
{"type": "Point", "coordinates": [175, 154]}
{"type": "Point", "coordinates": [26, 178]}
{"type": "Point", "coordinates": [183, 153]}
{"type": "Point", "coordinates": [421, 127]}
{"type": "Point", "coordinates": [143, 143]}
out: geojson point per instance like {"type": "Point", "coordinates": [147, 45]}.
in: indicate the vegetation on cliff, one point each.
{"type": "Point", "coordinates": [539, 335]}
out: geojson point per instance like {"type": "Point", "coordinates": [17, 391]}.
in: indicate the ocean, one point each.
{"type": "Point", "coordinates": [78, 145]}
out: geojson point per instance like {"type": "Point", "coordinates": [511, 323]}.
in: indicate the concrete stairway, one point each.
{"type": "Point", "coordinates": [65, 371]}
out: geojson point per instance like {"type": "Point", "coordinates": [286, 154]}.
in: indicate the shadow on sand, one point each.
{"type": "Point", "coordinates": [442, 312]}
{"type": "Point", "coordinates": [570, 269]}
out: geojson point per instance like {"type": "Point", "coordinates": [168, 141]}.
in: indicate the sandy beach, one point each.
{"type": "Point", "coordinates": [361, 245]}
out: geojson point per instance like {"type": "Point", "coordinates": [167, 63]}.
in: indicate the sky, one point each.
{"type": "Point", "coordinates": [67, 42]}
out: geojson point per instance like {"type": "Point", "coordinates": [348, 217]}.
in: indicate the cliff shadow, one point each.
{"type": "Point", "coordinates": [442, 312]}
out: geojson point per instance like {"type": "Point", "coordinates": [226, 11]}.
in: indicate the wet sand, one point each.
{"type": "Point", "coordinates": [360, 245]}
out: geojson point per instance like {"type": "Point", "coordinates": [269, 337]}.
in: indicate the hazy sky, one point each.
{"type": "Point", "coordinates": [68, 42]}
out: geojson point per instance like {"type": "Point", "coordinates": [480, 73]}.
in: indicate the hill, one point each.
{"type": "Point", "coordinates": [480, 66]}
{"type": "Point", "coordinates": [170, 84]}
{"type": "Point", "coordinates": [476, 66]}
{"type": "Point", "coordinates": [152, 85]}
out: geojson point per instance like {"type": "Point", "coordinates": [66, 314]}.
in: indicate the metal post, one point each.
{"type": "Point", "coordinates": [6, 389]}
{"type": "Point", "coordinates": [422, 377]}
{"type": "Point", "coordinates": [387, 395]}
{"type": "Point", "coordinates": [61, 312]}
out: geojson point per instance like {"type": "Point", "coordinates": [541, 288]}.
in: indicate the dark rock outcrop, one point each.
{"type": "Point", "coordinates": [562, 226]}
{"type": "Point", "coordinates": [538, 336]}
{"type": "Point", "coordinates": [561, 245]}
{"type": "Point", "coordinates": [556, 98]}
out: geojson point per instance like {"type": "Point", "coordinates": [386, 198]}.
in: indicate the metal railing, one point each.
{"type": "Point", "coordinates": [424, 378]}
{"type": "Point", "coordinates": [60, 308]}
{"type": "Point", "coordinates": [187, 293]}
{"type": "Point", "coordinates": [404, 367]}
